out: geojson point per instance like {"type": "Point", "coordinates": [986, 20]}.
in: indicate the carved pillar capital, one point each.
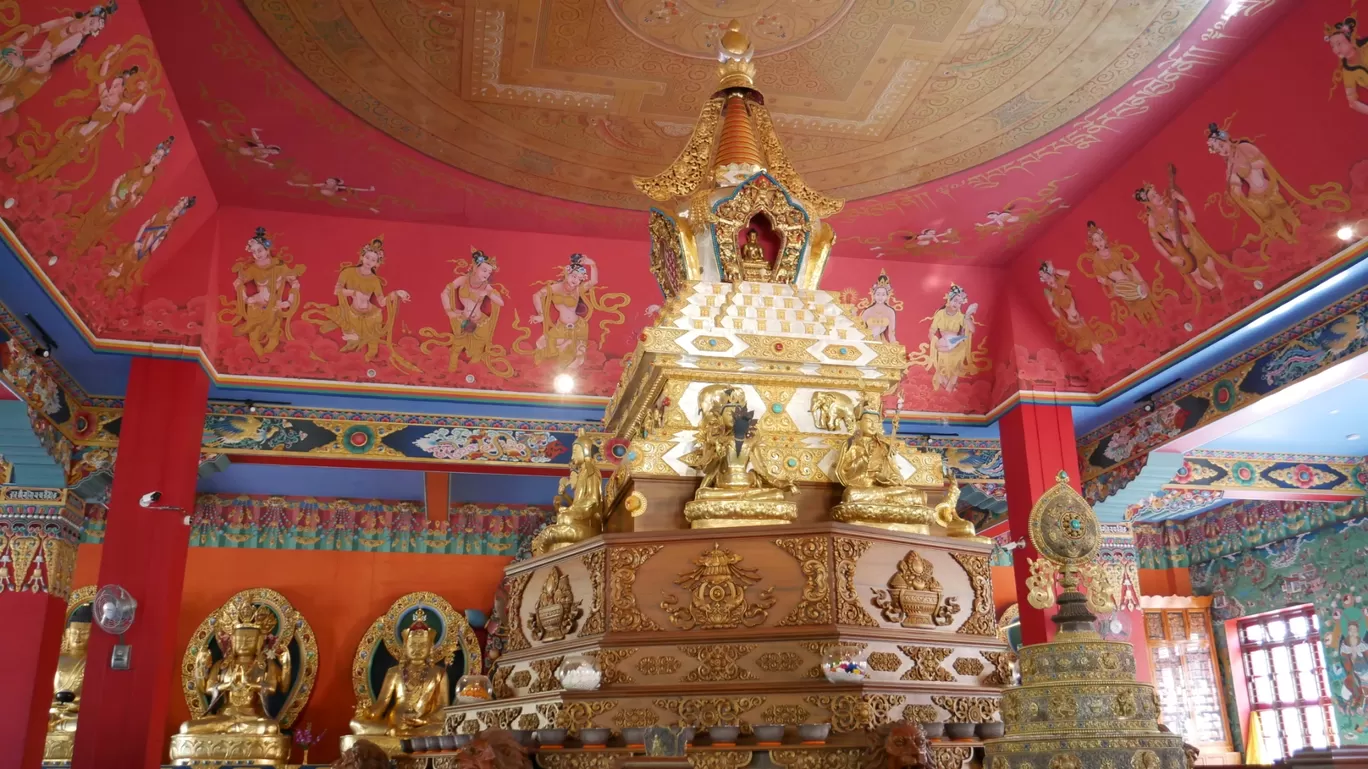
{"type": "Point", "coordinates": [39, 532]}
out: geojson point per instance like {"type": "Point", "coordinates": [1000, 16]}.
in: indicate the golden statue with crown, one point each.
{"type": "Point", "coordinates": [759, 501]}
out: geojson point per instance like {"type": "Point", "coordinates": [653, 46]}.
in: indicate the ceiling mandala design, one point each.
{"type": "Point", "coordinates": [571, 98]}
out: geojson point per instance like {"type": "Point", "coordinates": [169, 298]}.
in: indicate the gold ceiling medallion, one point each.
{"type": "Point", "coordinates": [557, 613]}
{"type": "Point", "coordinates": [718, 594]}
{"type": "Point", "coordinates": [913, 597]}
{"type": "Point", "coordinates": [758, 196]}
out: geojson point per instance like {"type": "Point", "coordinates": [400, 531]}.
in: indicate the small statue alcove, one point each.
{"type": "Point", "coordinates": [759, 247]}
{"type": "Point", "coordinates": [781, 227]}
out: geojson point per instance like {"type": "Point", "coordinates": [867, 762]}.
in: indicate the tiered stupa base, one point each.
{"type": "Point", "coordinates": [215, 750]}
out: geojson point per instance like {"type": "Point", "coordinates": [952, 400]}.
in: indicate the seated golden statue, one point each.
{"type": "Point", "coordinates": [237, 684]}
{"type": "Point", "coordinates": [414, 691]}
{"type": "Point", "coordinates": [754, 265]}
{"type": "Point", "coordinates": [242, 687]}
{"type": "Point", "coordinates": [947, 515]}
{"type": "Point", "coordinates": [876, 492]}
{"type": "Point", "coordinates": [579, 513]}
{"type": "Point", "coordinates": [404, 670]}
{"type": "Point", "coordinates": [734, 491]}
{"type": "Point", "coordinates": [69, 679]}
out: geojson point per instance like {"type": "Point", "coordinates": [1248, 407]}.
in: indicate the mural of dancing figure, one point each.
{"type": "Point", "coordinates": [76, 143]}
{"type": "Point", "coordinates": [564, 312]}
{"type": "Point", "coordinates": [364, 313]}
{"type": "Point", "coordinates": [1256, 187]}
{"type": "Point", "coordinates": [1113, 266]}
{"type": "Point", "coordinates": [124, 266]}
{"type": "Point", "coordinates": [472, 303]}
{"type": "Point", "coordinates": [268, 290]}
{"type": "Point", "coordinates": [1353, 72]}
{"type": "Point", "coordinates": [950, 352]}
{"type": "Point", "coordinates": [1079, 333]}
{"type": "Point", "coordinates": [125, 193]}
{"type": "Point", "coordinates": [26, 61]}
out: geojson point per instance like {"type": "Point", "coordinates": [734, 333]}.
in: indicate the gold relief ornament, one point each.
{"type": "Point", "coordinates": [1064, 530]}
{"type": "Point", "coordinates": [558, 613]}
{"type": "Point", "coordinates": [579, 501]}
{"type": "Point", "coordinates": [717, 588]}
{"type": "Point", "coordinates": [734, 491]}
{"type": "Point", "coordinates": [913, 597]}
{"type": "Point", "coordinates": [833, 411]}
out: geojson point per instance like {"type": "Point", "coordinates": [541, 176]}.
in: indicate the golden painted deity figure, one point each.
{"type": "Point", "coordinates": [879, 310]}
{"type": "Point", "coordinates": [949, 351]}
{"type": "Point", "coordinates": [124, 266]}
{"type": "Point", "coordinates": [1256, 187]}
{"type": "Point", "coordinates": [1113, 266]}
{"type": "Point", "coordinates": [1173, 230]}
{"type": "Point", "coordinates": [876, 491]}
{"type": "Point", "coordinates": [70, 676]}
{"type": "Point", "coordinates": [414, 691]}
{"type": "Point", "coordinates": [76, 143]}
{"type": "Point", "coordinates": [125, 193]}
{"type": "Point", "coordinates": [1353, 71]}
{"type": "Point", "coordinates": [238, 684]}
{"type": "Point", "coordinates": [1079, 333]}
{"type": "Point", "coordinates": [754, 265]}
{"type": "Point", "coordinates": [735, 489]}
{"type": "Point", "coordinates": [26, 60]}
{"type": "Point", "coordinates": [268, 291]}
{"type": "Point", "coordinates": [364, 313]}
{"type": "Point", "coordinates": [472, 303]}
{"type": "Point", "coordinates": [564, 309]}
{"type": "Point", "coordinates": [579, 501]}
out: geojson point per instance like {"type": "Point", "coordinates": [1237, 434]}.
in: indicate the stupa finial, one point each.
{"type": "Point", "coordinates": [734, 50]}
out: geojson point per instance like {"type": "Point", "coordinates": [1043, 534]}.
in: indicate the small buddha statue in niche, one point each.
{"type": "Point", "coordinates": [754, 264]}
{"type": "Point", "coordinates": [735, 491]}
{"type": "Point", "coordinates": [414, 691]}
{"type": "Point", "coordinates": [240, 682]}
{"type": "Point", "coordinates": [579, 513]}
{"type": "Point", "coordinates": [70, 675]}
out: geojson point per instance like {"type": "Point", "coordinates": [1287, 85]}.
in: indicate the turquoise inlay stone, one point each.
{"type": "Point", "coordinates": [632, 455]}
{"type": "Point", "coordinates": [842, 351]}
{"type": "Point", "coordinates": [712, 342]}
{"type": "Point", "coordinates": [792, 462]}
{"type": "Point", "coordinates": [777, 408]}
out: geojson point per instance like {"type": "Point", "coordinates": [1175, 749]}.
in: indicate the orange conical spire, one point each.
{"type": "Point", "coordinates": [736, 145]}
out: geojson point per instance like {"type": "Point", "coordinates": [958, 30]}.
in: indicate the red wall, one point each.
{"type": "Point", "coordinates": [339, 593]}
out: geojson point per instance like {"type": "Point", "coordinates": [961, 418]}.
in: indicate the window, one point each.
{"type": "Point", "coordinates": [1288, 691]}
{"type": "Point", "coordinates": [1183, 660]}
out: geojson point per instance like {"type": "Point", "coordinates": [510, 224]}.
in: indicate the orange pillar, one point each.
{"type": "Point", "coordinates": [122, 711]}
{"type": "Point", "coordinates": [39, 529]}
{"type": "Point", "coordinates": [437, 495]}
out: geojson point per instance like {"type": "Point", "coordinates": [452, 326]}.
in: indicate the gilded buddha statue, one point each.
{"type": "Point", "coordinates": [70, 676]}
{"type": "Point", "coordinates": [579, 513]}
{"type": "Point", "coordinates": [414, 690]}
{"type": "Point", "coordinates": [754, 265]}
{"type": "Point", "coordinates": [735, 491]}
{"type": "Point", "coordinates": [877, 493]}
{"type": "Point", "coordinates": [238, 685]}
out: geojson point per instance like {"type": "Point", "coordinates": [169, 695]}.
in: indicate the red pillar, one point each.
{"type": "Point", "coordinates": [123, 711]}
{"type": "Point", "coordinates": [33, 596]}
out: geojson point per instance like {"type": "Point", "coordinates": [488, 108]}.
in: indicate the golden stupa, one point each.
{"type": "Point", "coordinates": [1079, 705]}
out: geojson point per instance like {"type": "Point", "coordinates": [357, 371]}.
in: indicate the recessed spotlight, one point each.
{"type": "Point", "coordinates": [52, 259]}
{"type": "Point", "coordinates": [10, 203]}
{"type": "Point", "coordinates": [1352, 437]}
{"type": "Point", "coordinates": [42, 352]}
{"type": "Point", "coordinates": [1345, 233]}
{"type": "Point", "coordinates": [564, 384]}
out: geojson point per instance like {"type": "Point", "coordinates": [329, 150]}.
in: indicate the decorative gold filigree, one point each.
{"type": "Point", "coordinates": [692, 168]}
{"type": "Point", "coordinates": [760, 195]}
{"type": "Point", "coordinates": [913, 597]}
{"type": "Point", "coordinates": [635, 718]}
{"type": "Point", "coordinates": [1040, 583]}
{"type": "Point", "coordinates": [557, 613]}
{"type": "Point", "coordinates": [926, 663]}
{"type": "Point", "coordinates": [982, 620]}
{"type": "Point", "coordinates": [593, 564]}
{"type": "Point", "coordinates": [780, 168]}
{"type": "Point", "coordinates": [717, 588]}
{"type": "Point", "coordinates": [968, 666]}
{"type": "Point", "coordinates": [720, 759]}
{"type": "Point", "coordinates": [498, 682]}
{"type": "Point", "coordinates": [857, 712]}
{"type": "Point", "coordinates": [549, 712]}
{"type": "Point", "coordinates": [967, 710]}
{"type": "Point", "coordinates": [814, 608]}
{"type": "Point", "coordinates": [546, 680]}
{"type": "Point", "coordinates": [528, 722]}
{"type": "Point", "coordinates": [717, 662]}
{"type": "Point", "coordinates": [500, 718]}
{"type": "Point", "coordinates": [1002, 668]}
{"type": "Point", "coordinates": [779, 662]}
{"type": "Point", "coordinates": [784, 714]}
{"type": "Point", "coordinates": [608, 660]}
{"type": "Point", "coordinates": [885, 662]}
{"type": "Point", "coordinates": [950, 756]}
{"type": "Point", "coordinates": [707, 712]}
{"type": "Point", "coordinates": [922, 714]}
{"type": "Point", "coordinates": [849, 609]}
{"type": "Point", "coordinates": [624, 562]}
{"type": "Point", "coordinates": [576, 759]}
{"type": "Point", "coordinates": [842, 758]}
{"type": "Point", "coordinates": [582, 713]}
{"type": "Point", "coordinates": [658, 666]}
{"type": "Point", "coordinates": [521, 679]}
{"type": "Point", "coordinates": [516, 641]}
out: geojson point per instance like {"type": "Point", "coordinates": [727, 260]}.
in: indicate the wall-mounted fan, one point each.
{"type": "Point", "coordinates": [114, 608]}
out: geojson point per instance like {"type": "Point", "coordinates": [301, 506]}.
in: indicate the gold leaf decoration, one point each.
{"type": "Point", "coordinates": [968, 710]}
{"type": "Point", "coordinates": [707, 712]}
{"type": "Point", "coordinates": [624, 562]}
{"type": "Point", "coordinates": [546, 680]}
{"type": "Point", "coordinates": [849, 609]}
{"type": "Point", "coordinates": [814, 608]}
{"type": "Point", "coordinates": [981, 619]}
{"type": "Point", "coordinates": [885, 662]}
{"type": "Point", "coordinates": [593, 563]}
{"type": "Point", "coordinates": [580, 714]}
{"type": "Point", "coordinates": [608, 660]}
{"type": "Point", "coordinates": [968, 666]}
{"type": "Point", "coordinates": [521, 679]}
{"type": "Point", "coordinates": [717, 662]}
{"type": "Point", "coordinates": [926, 663]}
{"type": "Point", "coordinates": [658, 666]}
{"type": "Point", "coordinates": [785, 714]}
{"type": "Point", "coordinates": [513, 610]}
{"type": "Point", "coordinates": [779, 662]}
{"type": "Point", "coordinates": [635, 718]}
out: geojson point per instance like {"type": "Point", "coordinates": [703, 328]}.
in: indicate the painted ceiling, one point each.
{"type": "Point", "coordinates": [977, 119]}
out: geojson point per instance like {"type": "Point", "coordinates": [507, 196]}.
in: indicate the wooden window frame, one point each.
{"type": "Point", "coordinates": [1240, 649]}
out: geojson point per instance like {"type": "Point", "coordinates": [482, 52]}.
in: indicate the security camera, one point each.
{"type": "Point", "coordinates": [150, 498]}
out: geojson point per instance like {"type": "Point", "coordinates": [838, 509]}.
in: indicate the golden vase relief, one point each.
{"type": "Point", "coordinates": [557, 613]}
{"type": "Point", "coordinates": [913, 597]}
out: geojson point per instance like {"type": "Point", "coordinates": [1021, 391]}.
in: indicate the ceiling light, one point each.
{"type": "Point", "coordinates": [1345, 233]}
{"type": "Point", "coordinates": [1351, 437]}
{"type": "Point", "coordinates": [9, 202]}
{"type": "Point", "coordinates": [564, 384]}
{"type": "Point", "coordinates": [251, 407]}
{"type": "Point", "coordinates": [42, 352]}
